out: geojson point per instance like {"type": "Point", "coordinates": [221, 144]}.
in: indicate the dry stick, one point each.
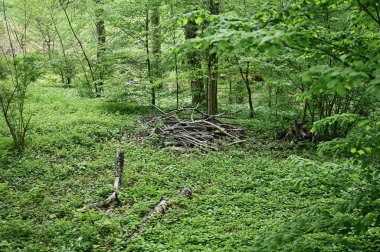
{"type": "Point", "coordinates": [157, 210]}
{"type": "Point", "coordinates": [220, 129]}
{"type": "Point", "coordinates": [198, 143]}
{"type": "Point", "coordinates": [237, 142]}
{"type": "Point", "coordinates": [193, 133]}
{"type": "Point", "coordinates": [111, 201]}
{"type": "Point", "coordinates": [162, 111]}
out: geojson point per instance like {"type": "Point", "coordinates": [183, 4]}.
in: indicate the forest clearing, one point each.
{"type": "Point", "coordinates": [189, 125]}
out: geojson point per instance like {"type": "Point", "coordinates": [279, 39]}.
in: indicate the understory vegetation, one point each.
{"type": "Point", "coordinates": [265, 112]}
{"type": "Point", "coordinates": [260, 196]}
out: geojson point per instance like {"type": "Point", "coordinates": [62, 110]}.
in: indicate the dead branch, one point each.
{"type": "Point", "coordinates": [158, 210]}
{"type": "Point", "coordinates": [111, 202]}
{"type": "Point", "coordinates": [200, 131]}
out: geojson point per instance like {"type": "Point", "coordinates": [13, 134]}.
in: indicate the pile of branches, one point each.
{"type": "Point", "coordinates": [198, 130]}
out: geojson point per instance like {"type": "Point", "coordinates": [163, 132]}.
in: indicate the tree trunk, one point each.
{"type": "Point", "coordinates": [80, 45]}
{"type": "Point", "coordinates": [194, 62]}
{"type": "Point", "coordinates": [230, 91]}
{"type": "Point", "coordinates": [176, 65]}
{"type": "Point", "coordinates": [148, 61]}
{"type": "Point", "coordinates": [270, 97]}
{"type": "Point", "coordinates": [156, 39]}
{"type": "Point", "coordinates": [212, 87]}
{"type": "Point", "coordinates": [156, 49]}
{"type": "Point", "coordinates": [66, 72]}
{"type": "Point", "coordinates": [245, 77]}
{"type": "Point", "coordinates": [101, 37]}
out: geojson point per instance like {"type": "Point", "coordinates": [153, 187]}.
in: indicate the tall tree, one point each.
{"type": "Point", "coordinates": [101, 40]}
{"type": "Point", "coordinates": [194, 61]}
{"type": "Point", "coordinates": [156, 48]}
{"type": "Point", "coordinates": [212, 68]}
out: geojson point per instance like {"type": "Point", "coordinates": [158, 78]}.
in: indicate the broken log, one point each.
{"type": "Point", "coordinates": [112, 200]}
{"type": "Point", "coordinates": [158, 210]}
{"type": "Point", "coordinates": [119, 166]}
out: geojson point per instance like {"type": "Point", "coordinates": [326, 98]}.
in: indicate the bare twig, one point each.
{"type": "Point", "coordinates": [206, 133]}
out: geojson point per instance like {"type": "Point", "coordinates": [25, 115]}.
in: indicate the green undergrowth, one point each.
{"type": "Point", "coordinates": [239, 194]}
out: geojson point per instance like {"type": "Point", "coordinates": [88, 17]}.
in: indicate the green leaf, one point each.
{"type": "Point", "coordinates": [272, 51]}
{"type": "Point", "coordinates": [365, 122]}
{"type": "Point", "coordinates": [307, 76]}
{"type": "Point", "coordinates": [199, 20]}
{"type": "Point", "coordinates": [185, 21]}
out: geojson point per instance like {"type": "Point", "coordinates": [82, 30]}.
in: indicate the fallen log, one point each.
{"type": "Point", "coordinates": [111, 201]}
{"type": "Point", "coordinates": [159, 209]}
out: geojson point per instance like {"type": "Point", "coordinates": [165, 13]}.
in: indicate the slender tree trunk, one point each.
{"type": "Point", "coordinates": [101, 37]}
{"type": "Point", "coordinates": [176, 67]}
{"type": "Point", "coordinates": [156, 48]}
{"type": "Point", "coordinates": [148, 61]}
{"type": "Point", "coordinates": [270, 97]}
{"type": "Point", "coordinates": [80, 45]}
{"type": "Point", "coordinates": [65, 73]}
{"type": "Point", "coordinates": [176, 70]}
{"type": "Point", "coordinates": [230, 91]}
{"type": "Point", "coordinates": [212, 87]}
{"type": "Point", "coordinates": [245, 77]}
{"type": "Point", "coordinates": [194, 62]}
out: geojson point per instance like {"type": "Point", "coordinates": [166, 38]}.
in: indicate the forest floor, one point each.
{"type": "Point", "coordinates": [239, 194]}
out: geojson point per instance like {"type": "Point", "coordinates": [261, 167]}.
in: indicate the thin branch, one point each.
{"type": "Point", "coordinates": [369, 13]}
{"type": "Point", "coordinates": [79, 41]}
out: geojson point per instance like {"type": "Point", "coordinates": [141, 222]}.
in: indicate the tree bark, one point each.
{"type": "Point", "coordinates": [101, 37]}
{"type": "Point", "coordinates": [148, 56]}
{"type": "Point", "coordinates": [194, 62]}
{"type": "Point", "coordinates": [156, 49]}
{"type": "Point", "coordinates": [212, 87]}
{"type": "Point", "coordinates": [176, 64]}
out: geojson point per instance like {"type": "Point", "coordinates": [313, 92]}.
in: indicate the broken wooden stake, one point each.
{"type": "Point", "coordinates": [119, 169]}
{"type": "Point", "coordinates": [110, 202]}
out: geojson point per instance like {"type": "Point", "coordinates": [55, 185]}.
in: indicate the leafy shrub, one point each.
{"type": "Point", "coordinates": [342, 225]}
{"type": "Point", "coordinates": [4, 68]}
{"type": "Point", "coordinates": [321, 177]}
{"type": "Point", "coordinates": [64, 67]}
{"type": "Point", "coordinates": [31, 66]}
